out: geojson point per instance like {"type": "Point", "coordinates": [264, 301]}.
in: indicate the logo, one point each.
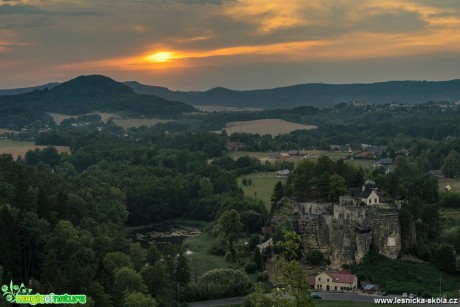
{"type": "Point", "coordinates": [22, 295]}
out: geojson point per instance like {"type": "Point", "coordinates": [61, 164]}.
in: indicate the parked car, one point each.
{"type": "Point", "coordinates": [316, 296]}
{"type": "Point", "coordinates": [404, 295]}
{"type": "Point", "coordinates": [384, 293]}
{"type": "Point", "coordinates": [411, 295]}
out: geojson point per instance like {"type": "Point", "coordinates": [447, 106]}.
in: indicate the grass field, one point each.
{"type": "Point", "coordinates": [16, 148]}
{"type": "Point", "coordinates": [138, 122]}
{"type": "Point", "coordinates": [261, 187]}
{"type": "Point", "coordinates": [58, 118]}
{"type": "Point", "coordinates": [454, 183]}
{"type": "Point", "coordinates": [200, 261]}
{"type": "Point", "coordinates": [265, 126]}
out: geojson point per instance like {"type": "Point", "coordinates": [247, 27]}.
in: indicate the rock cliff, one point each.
{"type": "Point", "coordinates": [344, 234]}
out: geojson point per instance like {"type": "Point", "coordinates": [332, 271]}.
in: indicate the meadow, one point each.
{"type": "Point", "coordinates": [454, 184]}
{"type": "Point", "coordinates": [261, 187]}
{"type": "Point", "coordinates": [200, 260]}
{"type": "Point", "coordinates": [17, 148]}
{"type": "Point", "coordinates": [265, 126]}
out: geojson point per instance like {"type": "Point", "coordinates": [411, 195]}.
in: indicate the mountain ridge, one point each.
{"type": "Point", "coordinates": [311, 94]}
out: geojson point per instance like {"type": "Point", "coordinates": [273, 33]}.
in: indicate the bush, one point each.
{"type": "Point", "coordinates": [251, 267]}
{"type": "Point", "coordinates": [221, 283]}
{"type": "Point", "coordinates": [218, 248]}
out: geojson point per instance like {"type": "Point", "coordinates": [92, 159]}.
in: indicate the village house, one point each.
{"type": "Point", "coordinates": [368, 195]}
{"type": "Point", "coordinates": [282, 173]}
{"type": "Point", "coordinates": [330, 281]}
{"type": "Point", "coordinates": [235, 145]}
{"type": "Point", "coordinates": [283, 156]}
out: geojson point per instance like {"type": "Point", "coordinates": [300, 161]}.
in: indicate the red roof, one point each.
{"type": "Point", "coordinates": [344, 271]}
{"type": "Point", "coordinates": [342, 278]}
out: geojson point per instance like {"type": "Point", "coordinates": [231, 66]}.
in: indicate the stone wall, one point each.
{"type": "Point", "coordinates": [346, 234]}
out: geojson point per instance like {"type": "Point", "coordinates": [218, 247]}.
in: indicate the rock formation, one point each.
{"type": "Point", "coordinates": [343, 232]}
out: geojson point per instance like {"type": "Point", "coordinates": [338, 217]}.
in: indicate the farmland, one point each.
{"type": "Point", "coordinates": [265, 126]}
{"type": "Point", "coordinates": [16, 149]}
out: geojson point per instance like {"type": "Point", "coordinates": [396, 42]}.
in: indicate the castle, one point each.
{"type": "Point", "coordinates": [345, 231]}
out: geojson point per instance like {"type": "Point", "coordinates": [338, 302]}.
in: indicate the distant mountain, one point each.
{"type": "Point", "coordinates": [92, 93]}
{"type": "Point", "coordinates": [23, 90]}
{"type": "Point", "coordinates": [313, 94]}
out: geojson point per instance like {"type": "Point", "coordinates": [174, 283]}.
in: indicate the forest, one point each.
{"type": "Point", "coordinates": [65, 218]}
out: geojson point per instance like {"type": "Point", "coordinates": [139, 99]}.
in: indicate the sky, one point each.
{"type": "Point", "coordinates": [238, 44]}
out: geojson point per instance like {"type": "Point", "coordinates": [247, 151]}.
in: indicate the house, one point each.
{"type": "Point", "coordinates": [279, 156]}
{"type": "Point", "coordinates": [282, 173]}
{"type": "Point", "coordinates": [263, 246]}
{"type": "Point", "coordinates": [438, 173]}
{"type": "Point", "coordinates": [368, 195]}
{"type": "Point", "coordinates": [386, 161]}
{"type": "Point", "coordinates": [330, 281]}
{"type": "Point", "coordinates": [235, 145]}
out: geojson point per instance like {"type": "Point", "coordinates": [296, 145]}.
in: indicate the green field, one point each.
{"type": "Point", "coordinates": [138, 122]}
{"type": "Point", "coordinates": [454, 183]}
{"type": "Point", "coordinates": [256, 154]}
{"type": "Point", "coordinates": [200, 261]}
{"type": "Point", "coordinates": [261, 187]}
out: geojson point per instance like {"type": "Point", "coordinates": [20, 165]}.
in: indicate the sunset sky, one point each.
{"type": "Point", "coordinates": [238, 44]}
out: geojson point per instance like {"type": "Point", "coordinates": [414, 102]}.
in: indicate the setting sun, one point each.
{"type": "Point", "coordinates": [163, 56]}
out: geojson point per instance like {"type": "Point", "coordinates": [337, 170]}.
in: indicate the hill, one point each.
{"type": "Point", "coordinates": [82, 95]}
{"type": "Point", "coordinates": [23, 90]}
{"type": "Point", "coordinates": [313, 94]}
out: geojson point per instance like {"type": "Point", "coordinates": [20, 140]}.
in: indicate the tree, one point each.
{"type": "Point", "coordinates": [451, 164]}
{"type": "Point", "coordinates": [229, 226]}
{"type": "Point", "coordinates": [127, 280]}
{"type": "Point", "coordinates": [138, 255]}
{"type": "Point", "coordinates": [278, 193]}
{"type": "Point", "coordinates": [153, 254]}
{"type": "Point", "coordinates": [136, 299]}
{"type": "Point", "coordinates": [445, 258]}
{"type": "Point", "coordinates": [258, 259]}
{"type": "Point", "coordinates": [337, 187]}
{"type": "Point", "coordinates": [155, 277]}
{"type": "Point", "coordinates": [291, 278]}
{"type": "Point", "coordinates": [182, 272]}
{"type": "Point", "coordinates": [116, 260]}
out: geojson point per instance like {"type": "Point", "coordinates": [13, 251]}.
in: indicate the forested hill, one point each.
{"type": "Point", "coordinates": [23, 90]}
{"type": "Point", "coordinates": [314, 94]}
{"type": "Point", "coordinates": [90, 93]}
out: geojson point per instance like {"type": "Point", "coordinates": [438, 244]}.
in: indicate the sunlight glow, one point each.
{"type": "Point", "coordinates": [160, 57]}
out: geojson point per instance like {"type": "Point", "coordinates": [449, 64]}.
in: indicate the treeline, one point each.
{"type": "Point", "coordinates": [62, 220]}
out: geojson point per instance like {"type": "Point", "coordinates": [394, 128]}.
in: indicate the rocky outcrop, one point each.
{"type": "Point", "coordinates": [344, 234]}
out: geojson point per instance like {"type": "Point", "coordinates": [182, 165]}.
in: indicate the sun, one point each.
{"type": "Point", "coordinates": [159, 57]}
